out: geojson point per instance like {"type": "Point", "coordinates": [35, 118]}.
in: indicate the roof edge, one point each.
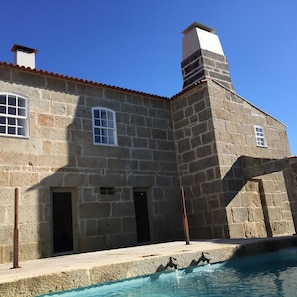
{"type": "Point", "coordinates": [78, 80]}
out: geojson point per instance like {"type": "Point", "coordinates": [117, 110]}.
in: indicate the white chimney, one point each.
{"type": "Point", "coordinates": [203, 56]}
{"type": "Point", "coordinates": [24, 56]}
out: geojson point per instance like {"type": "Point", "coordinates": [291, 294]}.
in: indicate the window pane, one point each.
{"type": "Point", "coordinates": [110, 124]}
{"type": "Point", "coordinates": [2, 99]}
{"type": "Point", "coordinates": [21, 131]}
{"type": "Point", "coordinates": [97, 131]}
{"type": "Point", "coordinates": [11, 121]}
{"type": "Point", "coordinates": [11, 130]}
{"type": "Point", "coordinates": [110, 116]}
{"type": "Point", "coordinates": [104, 126]}
{"type": "Point", "coordinates": [103, 114]}
{"type": "Point", "coordinates": [3, 109]}
{"type": "Point", "coordinates": [22, 102]}
{"type": "Point", "coordinates": [22, 112]}
{"type": "Point", "coordinates": [96, 113]}
{"type": "Point", "coordinates": [21, 122]}
{"type": "Point", "coordinates": [11, 100]}
{"type": "Point", "coordinates": [12, 110]}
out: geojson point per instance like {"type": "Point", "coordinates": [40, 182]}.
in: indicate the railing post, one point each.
{"type": "Point", "coordinates": [16, 230]}
{"type": "Point", "coordinates": [185, 218]}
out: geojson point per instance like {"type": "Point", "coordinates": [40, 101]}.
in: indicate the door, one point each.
{"type": "Point", "coordinates": [62, 222]}
{"type": "Point", "coordinates": [142, 216]}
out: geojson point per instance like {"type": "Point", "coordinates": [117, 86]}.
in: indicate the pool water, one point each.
{"type": "Point", "coordinates": [272, 274]}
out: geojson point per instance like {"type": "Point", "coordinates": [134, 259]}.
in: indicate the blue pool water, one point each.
{"type": "Point", "coordinates": [272, 274]}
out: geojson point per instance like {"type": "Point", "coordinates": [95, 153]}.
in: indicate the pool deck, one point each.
{"type": "Point", "coordinates": [47, 275]}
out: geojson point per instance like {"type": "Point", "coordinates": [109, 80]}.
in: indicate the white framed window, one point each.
{"type": "Point", "coordinates": [260, 136]}
{"type": "Point", "coordinates": [104, 126]}
{"type": "Point", "coordinates": [13, 115]}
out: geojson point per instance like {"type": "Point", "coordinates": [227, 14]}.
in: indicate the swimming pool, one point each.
{"type": "Point", "coordinates": [272, 274]}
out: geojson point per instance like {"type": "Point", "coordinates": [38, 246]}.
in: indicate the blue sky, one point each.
{"type": "Point", "coordinates": [136, 44]}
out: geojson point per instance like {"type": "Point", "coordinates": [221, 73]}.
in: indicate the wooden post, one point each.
{"type": "Point", "coordinates": [16, 230]}
{"type": "Point", "coordinates": [185, 218]}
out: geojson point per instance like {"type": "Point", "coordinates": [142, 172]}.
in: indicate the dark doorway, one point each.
{"type": "Point", "coordinates": [142, 216]}
{"type": "Point", "coordinates": [62, 222]}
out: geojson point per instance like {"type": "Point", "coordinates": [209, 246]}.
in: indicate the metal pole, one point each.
{"type": "Point", "coordinates": [185, 218]}
{"type": "Point", "coordinates": [16, 230]}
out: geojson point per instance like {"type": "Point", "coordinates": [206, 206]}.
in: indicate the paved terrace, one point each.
{"type": "Point", "coordinates": [42, 276]}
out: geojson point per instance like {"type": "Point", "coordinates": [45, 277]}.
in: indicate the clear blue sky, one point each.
{"type": "Point", "coordinates": [136, 44]}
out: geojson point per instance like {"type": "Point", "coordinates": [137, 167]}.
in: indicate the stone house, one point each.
{"type": "Point", "coordinates": [99, 167]}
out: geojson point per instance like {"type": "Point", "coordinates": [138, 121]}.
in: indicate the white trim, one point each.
{"type": "Point", "coordinates": [260, 136]}
{"type": "Point", "coordinates": [104, 126]}
{"type": "Point", "coordinates": [17, 119]}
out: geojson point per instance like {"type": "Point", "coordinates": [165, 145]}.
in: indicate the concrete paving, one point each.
{"type": "Point", "coordinates": [47, 275]}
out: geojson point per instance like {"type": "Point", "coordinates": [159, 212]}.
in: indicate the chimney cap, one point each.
{"type": "Point", "coordinates": [200, 26]}
{"type": "Point", "coordinates": [22, 48]}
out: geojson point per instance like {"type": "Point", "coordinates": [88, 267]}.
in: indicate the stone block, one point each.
{"type": "Point", "coordinates": [221, 114]}
{"type": "Point", "coordinates": [129, 225]}
{"type": "Point", "coordinates": [74, 179]}
{"type": "Point", "coordinates": [208, 137]}
{"type": "Point", "coordinates": [87, 89]}
{"type": "Point", "coordinates": [239, 214]}
{"type": "Point", "coordinates": [250, 230]}
{"type": "Point", "coordinates": [56, 84]}
{"type": "Point", "coordinates": [203, 151]}
{"type": "Point", "coordinates": [134, 109]}
{"type": "Point", "coordinates": [188, 157]}
{"type": "Point", "coordinates": [140, 131]}
{"type": "Point", "coordinates": [219, 216]}
{"type": "Point", "coordinates": [6, 234]}
{"type": "Point", "coordinates": [28, 78]}
{"type": "Point", "coordinates": [4, 74]}
{"type": "Point", "coordinates": [237, 230]}
{"type": "Point", "coordinates": [93, 243]}
{"type": "Point", "coordinates": [95, 210]}
{"type": "Point", "coordinates": [91, 227]}
{"type": "Point", "coordinates": [110, 226]}
{"type": "Point", "coordinates": [141, 154]}
{"type": "Point", "coordinates": [4, 178]}
{"type": "Point", "coordinates": [23, 179]}
{"type": "Point", "coordinates": [121, 240]}
{"type": "Point", "coordinates": [212, 187]}
{"type": "Point", "coordinates": [122, 209]}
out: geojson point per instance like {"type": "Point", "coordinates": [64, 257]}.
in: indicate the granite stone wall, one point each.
{"type": "Point", "coordinates": [199, 163]}
{"type": "Point", "coordinates": [60, 154]}
{"type": "Point", "coordinates": [201, 139]}
{"type": "Point", "coordinates": [260, 206]}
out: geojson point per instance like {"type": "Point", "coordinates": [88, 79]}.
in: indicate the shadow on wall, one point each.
{"type": "Point", "coordinates": [248, 169]}
{"type": "Point", "coordinates": [234, 181]}
{"type": "Point", "coordinates": [54, 239]}
{"type": "Point", "coordinates": [290, 176]}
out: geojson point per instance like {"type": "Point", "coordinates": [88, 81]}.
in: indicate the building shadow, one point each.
{"type": "Point", "coordinates": [246, 169]}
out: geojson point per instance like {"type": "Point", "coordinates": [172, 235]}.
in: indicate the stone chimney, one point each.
{"type": "Point", "coordinates": [24, 56]}
{"type": "Point", "coordinates": [203, 57]}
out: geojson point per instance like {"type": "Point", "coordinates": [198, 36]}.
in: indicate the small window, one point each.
{"type": "Point", "coordinates": [260, 136]}
{"type": "Point", "coordinates": [13, 115]}
{"type": "Point", "coordinates": [104, 126]}
{"type": "Point", "coordinates": [107, 190]}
